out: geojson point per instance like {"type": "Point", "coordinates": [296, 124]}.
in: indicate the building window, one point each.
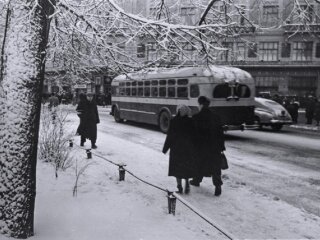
{"type": "Point", "coordinates": [270, 15]}
{"type": "Point", "coordinates": [303, 14]}
{"type": "Point", "coordinates": [188, 15]}
{"type": "Point", "coordinates": [242, 14]}
{"type": "Point", "coordinates": [302, 51]}
{"type": "Point", "coordinates": [318, 50]}
{"type": "Point", "coordinates": [252, 50]}
{"type": "Point", "coordinates": [152, 51]}
{"type": "Point", "coordinates": [240, 51]}
{"type": "Point", "coordinates": [285, 50]}
{"type": "Point", "coordinates": [141, 50]}
{"type": "Point", "coordinates": [268, 51]}
{"type": "Point", "coordinates": [226, 55]}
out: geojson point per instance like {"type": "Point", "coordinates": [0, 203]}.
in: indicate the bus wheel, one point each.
{"type": "Point", "coordinates": [164, 121]}
{"type": "Point", "coordinates": [116, 115]}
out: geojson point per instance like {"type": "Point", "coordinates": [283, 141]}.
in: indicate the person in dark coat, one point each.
{"type": "Point", "coordinates": [317, 111]}
{"type": "Point", "coordinates": [293, 109]}
{"type": "Point", "coordinates": [82, 111]}
{"type": "Point", "coordinates": [310, 109]}
{"type": "Point", "coordinates": [89, 118]}
{"type": "Point", "coordinates": [210, 144]}
{"type": "Point", "coordinates": [180, 141]}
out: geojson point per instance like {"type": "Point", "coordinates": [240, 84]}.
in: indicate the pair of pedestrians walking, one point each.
{"type": "Point", "coordinates": [195, 146]}
{"type": "Point", "coordinates": [89, 118]}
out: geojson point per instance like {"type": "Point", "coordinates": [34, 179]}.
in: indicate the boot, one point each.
{"type": "Point", "coordinates": [187, 187]}
{"type": "Point", "coordinates": [217, 191]}
{"type": "Point", "coordinates": [180, 189]}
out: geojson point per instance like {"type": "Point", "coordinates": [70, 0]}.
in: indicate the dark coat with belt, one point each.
{"type": "Point", "coordinates": [89, 117]}
{"type": "Point", "coordinates": [210, 141]}
{"type": "Point", "coordinates": [180, 141]}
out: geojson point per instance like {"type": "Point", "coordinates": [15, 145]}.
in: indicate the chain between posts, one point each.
{"type": "Point", "coordinates": [171, 196]}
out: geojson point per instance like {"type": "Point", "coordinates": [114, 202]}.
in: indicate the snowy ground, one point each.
{"type": "Point", "coordinates": [108, 209]}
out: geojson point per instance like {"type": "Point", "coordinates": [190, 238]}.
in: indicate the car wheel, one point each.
{"type": "Point", "coordinates": [116, 115]}
{"type": "Point", "coordinates": [257, 121]}
{"type": "Point", "coordinates": [164, 121]}
{"type": "Point", "coordinates": [276, 127]}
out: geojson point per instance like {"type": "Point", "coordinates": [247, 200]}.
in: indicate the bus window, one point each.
{"type": "Point", "coordinates": [154, 82]}
{"type": "Point", "coordinates": [140, 83]}
{"type": "Point", "coordinates": [162, 82]}
{"type": "Point", "coordinates": [140, 91]}
{"type": "Point", "coordinates": [222, 91]}
{"type": "Point", "coordinates": [154, 91]}
{"type": "Point", "coordinates": [134, 92]}
{"type": "Point", "coordinates": [242, 91]}
{"type": "Point", "coordinates": [182, 92]}
{"type": "Point", "coordinates": [171, 92]}
{"type": "Point", "coordinates": [134, 83]}
{"type": "Point", "coordinates": [171, 82]}
{"type": "Point", "coordinates": [147, 83]}
{"type": "Point", "coordinates": [128, 91]}
{"type": "Point", "coordinates": [182, 81]}
{"type": "Point", "coordinates": [128, 84]}
{"type": "Point", "coordinates": [121, 91]}
{"type": "Point", "coordinates": [121, 84]}
{"type": "Point", "coordinates": [162, 91]}
{"type": "Point", "coordinates": [194, 91]}
{"type": "Point", "coordinates": [147, 91]}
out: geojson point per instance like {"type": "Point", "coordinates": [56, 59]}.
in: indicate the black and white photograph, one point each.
{"type": "Point", "coordinates": [159, 119]}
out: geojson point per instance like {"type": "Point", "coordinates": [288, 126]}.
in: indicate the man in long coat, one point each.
{"type": "Point", "coordinates": [210, 144]}
{"type": "Point", "coordinates": [89, 118]}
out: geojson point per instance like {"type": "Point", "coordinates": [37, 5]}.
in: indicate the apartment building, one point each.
{"type": "Point", "coordinates": [282, 54]}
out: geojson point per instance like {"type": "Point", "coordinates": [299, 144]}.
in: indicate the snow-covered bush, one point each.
{"type": "Point", "coordinates": [54, 139]}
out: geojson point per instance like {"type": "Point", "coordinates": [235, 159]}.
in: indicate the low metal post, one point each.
{"type": "Point", "coordinates": [171, 203]}
{"type": "Point", "coordinates": [70, 143]}
{"type": "Point", "coordinates": [89, 154]}
{"type": "Point", "coordinates": [122, 172]}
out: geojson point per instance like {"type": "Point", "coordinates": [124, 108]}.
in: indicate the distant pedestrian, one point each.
{"type": "Point", "coordinates": [310, 105]}
{"type": "Point", "coordinates": [210, 144]}
{"type": "Point", "coordinates": [317, 111]}
{"type": "Point", "coordinates": [53, 101]}
{"type": "Point", "coordinates": [53, 104]}
{"type": "Point", "coordinates": [93, 119]}
{"type": "Point", "coordinates": [180, 141]}
{"type": "Point", "coordinates": [293, 108]}
{"type": "Point", "coordinates": [89, 118]}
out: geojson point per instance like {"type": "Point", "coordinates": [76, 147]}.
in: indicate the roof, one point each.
{"type": "Point", "coordinates": [222, 73]}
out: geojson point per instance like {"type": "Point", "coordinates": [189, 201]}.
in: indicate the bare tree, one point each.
{"type": "Point", "coordinates": [20, 100]}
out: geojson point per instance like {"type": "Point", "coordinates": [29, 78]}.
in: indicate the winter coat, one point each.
{"type": "Point", "coordinates": [317, 111]}
{"type": "Point", "coordinates": [310, 108]}
{"type": "Point", "coordinates": [180, 141]}
{"type": "Point", "coordinates": [210, 141]}
{"type": "Point", "coordinates": [89, 117]}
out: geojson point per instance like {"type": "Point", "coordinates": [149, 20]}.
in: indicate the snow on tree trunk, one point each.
{"type": "Point", "coordinates": [20, 105]}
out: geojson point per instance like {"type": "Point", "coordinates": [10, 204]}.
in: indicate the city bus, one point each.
{"type": "Point", "coordinates": [152, 96]}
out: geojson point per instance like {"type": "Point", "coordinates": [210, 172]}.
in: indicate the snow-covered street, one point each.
{"type": "Point", "coordinates": [259, 199]}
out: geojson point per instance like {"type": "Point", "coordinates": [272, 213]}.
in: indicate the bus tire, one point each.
{"type": "Point", "coordinates": [164, 121]}
{"type": "Point", "coordinates": [116, 115]}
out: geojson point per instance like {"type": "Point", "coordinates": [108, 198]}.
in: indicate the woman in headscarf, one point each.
{"type": "Point", "coordinates": [180, 141]}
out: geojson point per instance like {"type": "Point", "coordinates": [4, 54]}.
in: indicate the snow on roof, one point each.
{"type": "Point", "coordinates": [220, 73]}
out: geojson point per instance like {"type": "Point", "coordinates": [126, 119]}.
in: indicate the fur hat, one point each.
{"type": "Point", "coordinates": [183, 110]}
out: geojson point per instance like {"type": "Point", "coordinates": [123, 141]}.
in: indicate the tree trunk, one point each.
{"type": "Point", "coordinates": [20, 103]}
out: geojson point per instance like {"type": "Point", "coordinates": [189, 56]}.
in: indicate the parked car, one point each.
{"type": "Point", "coordinates": [270, 113]}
